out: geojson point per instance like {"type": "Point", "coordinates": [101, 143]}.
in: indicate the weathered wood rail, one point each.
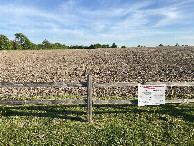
{"type": "Point", "coordinates": [84, 84]}
{"type": "Point", "coordinates": [90, 85]}
{"type": "Point", "coordinates": [124, 84]}
{"type": "Point", "coordinates": [43, 84]}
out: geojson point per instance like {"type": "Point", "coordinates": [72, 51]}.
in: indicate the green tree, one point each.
{"type": "Point", "coordinates": [57, 46]}
{"type": "Point", "coordinates": [114, 45]}
{"type": "Point", "coordinates": [46, 44]}
{"type": "Point", "coordinates": [14, 45]}
{"type": "Point", "coordinates": [65, 47]}
{"type": "Point", "coordinates": [123, 47]}
{"type": "Point", "coordinates": [105, 46]}
{"type": "Point", "coordinates": [160, 45]}
{"type": "Point", "coordinates": [91, 47]}
{"type": "Point", "coordinates": [177, 44]}
{"type": "Point", "coordinates": [4, 43]}
{"type": "Point", "coordinates": [38, 46]}
{"type": "Point", "coordinates": [23, 42]}
{"type": "Point", "coordinates": [98, 45]}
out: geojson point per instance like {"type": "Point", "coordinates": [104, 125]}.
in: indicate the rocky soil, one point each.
{"type": "Point", "coordinates": [153, 64]}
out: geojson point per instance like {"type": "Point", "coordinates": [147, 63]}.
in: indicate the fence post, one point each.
{"type": "Point", "coordinates": [89, 98]}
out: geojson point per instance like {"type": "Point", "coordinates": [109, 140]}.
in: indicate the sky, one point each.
{"type": "Point", "coordinates": [85, 22]}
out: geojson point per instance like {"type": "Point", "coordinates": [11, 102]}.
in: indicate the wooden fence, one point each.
{"type": "Point", "coordinates": [90, 85]}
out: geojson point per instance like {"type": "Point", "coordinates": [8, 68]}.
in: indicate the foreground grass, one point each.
{"type": "Point", "coordinates": [112, 124]}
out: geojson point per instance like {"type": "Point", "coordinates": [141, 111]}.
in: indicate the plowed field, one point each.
{"type": "Point", "coordinates": [165, 64]}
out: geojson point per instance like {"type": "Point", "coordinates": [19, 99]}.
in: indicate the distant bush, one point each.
{"type": "Point", "coordinates": [21, 42]}
{"type": "Point", "coordinates": [114, 45]}
{"type": "Point", "coordinates": [4, 43]}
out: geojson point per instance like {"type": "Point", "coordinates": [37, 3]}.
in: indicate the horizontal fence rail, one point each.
{"type": "Point", "coordinates": [81, 101]}
{"type": "Point", "coordinates": [84, 84]}
{"type": "Point", "coordinates": [43, 102]}
{"type": "Point", "coordinates": [136, 101]}
{"type": "Point", "coordinates": [124, 84]}
{"type": "Point", "coordinates": [43, 84]}
{"type": "Point", "coordinates": [90, 85]}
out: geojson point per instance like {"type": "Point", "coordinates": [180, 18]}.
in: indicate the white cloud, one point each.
{"type": "Point", "coordinates": [170, 15]}
{"type": "Point", "coordinates": [75, 23]}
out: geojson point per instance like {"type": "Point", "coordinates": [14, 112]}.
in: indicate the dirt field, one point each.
{"type": "Point", "coordinates": [165, 64]}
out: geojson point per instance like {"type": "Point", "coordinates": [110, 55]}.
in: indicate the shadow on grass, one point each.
{"type": "Point", "coordinates": [178, 111]}
{"type": "Point", "coordinates": [175, 110]}
{"type": "Point", "coordinates": [76, 113]}
{"type": "Point", "coordinates": [57, 111]}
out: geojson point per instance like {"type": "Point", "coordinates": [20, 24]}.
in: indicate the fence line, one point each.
{"type": "Point", "coordinates": [90, 85]}
{"type": "Point", "coordinates": [80, 101]}
{"type": "Point", "coordinates": [124, 84]}
{"type": "Point", "coordinates": [84, 84]}
{"type": "Point", "coordinates": [43, 84]}
{"type": "Point", "coordinates": [43, 102]}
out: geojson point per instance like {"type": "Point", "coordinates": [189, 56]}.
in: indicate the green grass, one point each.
{"type": "Point", "coordinates": [112, 125]}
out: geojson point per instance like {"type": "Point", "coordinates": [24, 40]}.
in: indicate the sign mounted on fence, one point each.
{"type": "Point", "coordinates": [151, 94]}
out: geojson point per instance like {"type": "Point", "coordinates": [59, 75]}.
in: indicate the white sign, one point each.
{"type": "Point", "coordinates": [151, 94]}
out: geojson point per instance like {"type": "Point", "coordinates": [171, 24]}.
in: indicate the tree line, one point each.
{"type": "Point", "coordinates": [21, 42]}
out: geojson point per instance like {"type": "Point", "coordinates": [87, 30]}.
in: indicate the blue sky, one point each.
{"type": "Point", "coordinates": [85, 22]}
